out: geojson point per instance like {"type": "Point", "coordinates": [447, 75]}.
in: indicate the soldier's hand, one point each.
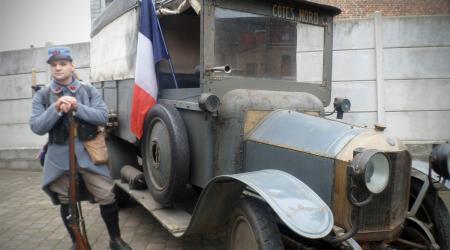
{"type": "Point", "coordinates": [64, 107]}
{"type": "Point", "coordinates": [72, 101]}
{"type": "Point", "coordinates": [66, 103]}
{"type": "Point", "coordinates": [59, 105]}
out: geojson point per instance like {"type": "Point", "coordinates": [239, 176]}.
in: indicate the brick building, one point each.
{"type": "Point", "coordinates": [353, 9]}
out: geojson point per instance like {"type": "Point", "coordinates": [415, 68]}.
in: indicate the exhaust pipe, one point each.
{"type": "Point", "coordinates": [226, 69]}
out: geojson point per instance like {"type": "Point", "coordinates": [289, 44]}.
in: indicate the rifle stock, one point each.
{"type": "Point", "coordinates": [75, 211]}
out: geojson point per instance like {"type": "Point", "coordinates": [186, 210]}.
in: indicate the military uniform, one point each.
{"type": "Point", "coordinates": [55, 179]}
{"type": "Point", "coordinates": [92, 109]}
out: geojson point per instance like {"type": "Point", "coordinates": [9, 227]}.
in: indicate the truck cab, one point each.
{"type": "Point", "coordinates": [240, 139]}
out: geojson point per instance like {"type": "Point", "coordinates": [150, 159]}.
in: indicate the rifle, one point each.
{"type": "Point", "coordinates": [74, 205]}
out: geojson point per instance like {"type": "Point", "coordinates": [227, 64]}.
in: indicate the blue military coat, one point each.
{"type": "Point", "coordinates": [90, 108]}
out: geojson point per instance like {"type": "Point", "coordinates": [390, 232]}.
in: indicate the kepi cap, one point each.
{"type": "Point", "coordinates": [59, 53]}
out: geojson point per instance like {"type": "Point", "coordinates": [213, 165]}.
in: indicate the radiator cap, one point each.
{"type": "Point", "coordinates": [380, 127]}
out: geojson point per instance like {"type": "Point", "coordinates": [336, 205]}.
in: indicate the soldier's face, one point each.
{"type": "Point", "coordinates": [62, 71]}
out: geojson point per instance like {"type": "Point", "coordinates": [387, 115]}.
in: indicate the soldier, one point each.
{"type": "Point", "coordinates": [50, 106]}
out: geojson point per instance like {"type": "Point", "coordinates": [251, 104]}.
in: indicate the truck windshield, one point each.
{"type": "Point", "coordinates": [265, 47]}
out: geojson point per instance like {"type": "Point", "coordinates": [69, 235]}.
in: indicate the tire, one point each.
{"type": "Point", "coordinates": [432, 212]}
{"type": "Point", "coordinates": [252, 226]}
{"type": "Point", "coordinates": [165, 153]}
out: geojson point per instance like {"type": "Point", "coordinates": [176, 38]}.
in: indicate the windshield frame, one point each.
{"type": "Point", "coordinates": [219, 83]}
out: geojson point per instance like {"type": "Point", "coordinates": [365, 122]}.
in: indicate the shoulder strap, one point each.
{"type": "Point", "coordinates": [87, 88]}
{"type": "Point", "coordinates": [46, 96]}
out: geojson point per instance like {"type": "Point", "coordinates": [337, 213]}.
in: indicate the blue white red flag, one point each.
{"type": "Point", "coordinates": [150, 50]}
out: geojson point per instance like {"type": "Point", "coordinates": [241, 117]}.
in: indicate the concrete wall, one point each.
{"type": "Point", "coordinates": [399, 76]}
{"type": "Point", "coordinates": [15, 100]}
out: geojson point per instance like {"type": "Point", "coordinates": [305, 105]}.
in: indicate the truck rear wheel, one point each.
{"type": "Point", "coordinates": [165, 153]}
{"type": "Point", "coordinates": [252, 226]}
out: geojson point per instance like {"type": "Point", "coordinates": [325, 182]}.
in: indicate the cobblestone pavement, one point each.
{"type": "Point", "coordinates": [28, 220]}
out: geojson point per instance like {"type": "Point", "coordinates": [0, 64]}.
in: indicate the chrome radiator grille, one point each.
{"type": "Point", "coordinates": [388, 209]}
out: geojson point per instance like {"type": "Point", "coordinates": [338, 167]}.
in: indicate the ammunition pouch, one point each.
{"type": "Point", "coordinates": [59, 134]}
{"type": "Point", "coordinates": [85, 130]}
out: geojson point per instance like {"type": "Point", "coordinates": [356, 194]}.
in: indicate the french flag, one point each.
{"type": "Point", "coordinates": [150, 50]}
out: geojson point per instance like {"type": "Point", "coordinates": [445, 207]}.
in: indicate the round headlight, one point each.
{"type": "Point", "coordinates": [371, 168]}
{"type": "Point", "coordinates": [440, 160]}
{"type": "Point", "coordinates": [377, 173]}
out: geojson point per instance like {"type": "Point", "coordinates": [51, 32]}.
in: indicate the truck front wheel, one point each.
{"type": "Point", "coordinates": [433, 213]}
{"type": "Point", "coordinates": [252, 226]}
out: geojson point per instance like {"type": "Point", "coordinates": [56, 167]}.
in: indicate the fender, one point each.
{"type": "Point", "coordinates": [297, 205]}
{"type": "Point", "coordinates": [420, 171]}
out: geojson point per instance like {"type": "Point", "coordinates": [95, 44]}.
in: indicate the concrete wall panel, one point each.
{"type": "Point", "coordinates": [362, 95]}
{"type": "Point", "coordinates": [419, 125]}
{"type": "Point", "coordinates": [19, 86]}
{"type": "Point", "coordinates": [22, 61]}
{"type": "Point", "coordinates": [416, 31]}
{"type": "Point", "coordinates": [81, 54]}
{"type": "Point", "coordinates": [83, 73]}
{"type": "Point", "coordinates": [417, 63]}
{"type": "Point", "coordinates": [410, 95]}
{"type": "Point", "coordinates": [15, 86]}
{"type": "Point", "coordinates": [15, 111]}
{"type": "Point", "coordinates": [354, 34]}
{"type": "Point", "coordinates": [19, 136]}
{"type": "Point", "coordinates": [354, 65]}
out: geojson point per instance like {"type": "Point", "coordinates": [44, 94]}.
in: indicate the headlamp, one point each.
{"type": "Point", "coordinates": [209, 102]}
{"type": "Point", "coordinates": [371, 169]}
{"type": "Point", "coordinates": [440, 160]}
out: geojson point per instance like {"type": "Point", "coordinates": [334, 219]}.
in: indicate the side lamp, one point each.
{"type": "Point", "coordinates": [341, 106]}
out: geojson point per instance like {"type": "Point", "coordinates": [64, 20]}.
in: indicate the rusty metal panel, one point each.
{"type": "Point", "coordinates": [306, 133]}
{"type": "Point", "coordinates": [252, 118]}
{"type": "Point", "coordinates": [316, 172]}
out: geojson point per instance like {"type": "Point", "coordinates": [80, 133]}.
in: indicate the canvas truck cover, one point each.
{"type": "Point", "coordinates": [113, 42]}
{"type": "Point", "coordinates": [114, 37]}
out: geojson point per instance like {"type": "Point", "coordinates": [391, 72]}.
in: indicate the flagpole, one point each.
{"type": "Point", "coordinates": [170, 59]}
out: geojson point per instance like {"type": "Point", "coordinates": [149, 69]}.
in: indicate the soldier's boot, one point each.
{"type": "Point", "coordinates": [64, 210]}
{"type": "Point", "coordinates": [110, 215]}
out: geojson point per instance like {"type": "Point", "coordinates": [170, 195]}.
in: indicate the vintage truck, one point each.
{"type": "Point", "coordinates": [244, 144]}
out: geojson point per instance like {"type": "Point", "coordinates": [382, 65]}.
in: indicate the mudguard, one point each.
{"type": "Point", "coordinates": [420, 171]}
{"type": "Point", "coordinates": [297, 205]}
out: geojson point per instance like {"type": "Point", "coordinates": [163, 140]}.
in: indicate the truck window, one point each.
{"type": "Point", "coordinates": [266, 47]}
{"type": "Point", "coordinates": [182, 35]}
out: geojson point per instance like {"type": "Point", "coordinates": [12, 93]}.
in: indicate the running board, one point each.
{"type": "Point", "coordinates": [175, 220]}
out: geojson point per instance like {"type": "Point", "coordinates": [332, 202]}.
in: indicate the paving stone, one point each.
{"type": "Point", "coordinates": [49, 243]}
{"type": "Point", "coordinates": [153, 246]}
{"type": "Point", "coordinates": [29, 221]}
{"type": "Point", "coordinates": [173, 248]}
{"type": "Point", "coordinates": [139, 244]}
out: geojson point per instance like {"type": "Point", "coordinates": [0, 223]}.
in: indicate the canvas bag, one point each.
{"type": "Point", "coordinates": [96, 148]}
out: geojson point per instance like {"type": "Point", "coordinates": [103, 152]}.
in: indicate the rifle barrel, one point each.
{"type": "Point", "coordinates": [81, 240]}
